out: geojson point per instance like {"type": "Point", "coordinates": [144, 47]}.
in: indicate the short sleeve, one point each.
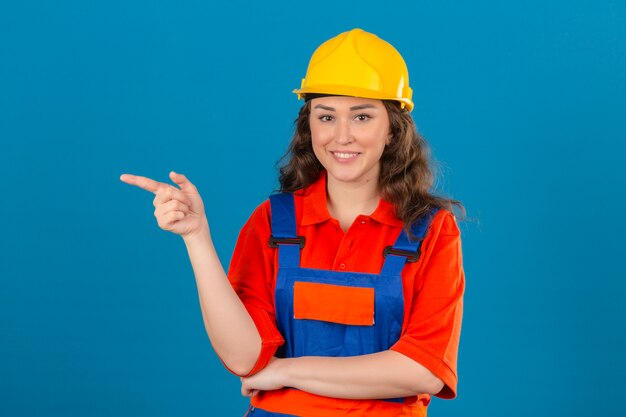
{"type": "Point", "coordinates": [251, 274]}
{"type": "Point", "coordinates": [432, 334]}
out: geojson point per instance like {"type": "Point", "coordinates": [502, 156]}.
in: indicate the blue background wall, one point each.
{"type": "Point", "coordinates": [523, 103]}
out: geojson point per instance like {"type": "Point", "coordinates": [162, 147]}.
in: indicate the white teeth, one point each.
{"type": "Point", "coordinates": [343, 155]}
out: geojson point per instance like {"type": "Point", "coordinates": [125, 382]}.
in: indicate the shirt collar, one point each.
{"type": "Point", "coordinates": [315, 206]}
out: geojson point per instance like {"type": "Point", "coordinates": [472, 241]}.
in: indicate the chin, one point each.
{"type": "Point", "coordinates": [345, 176]}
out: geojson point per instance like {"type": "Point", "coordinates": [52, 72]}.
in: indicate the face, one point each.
{"type": "Point", "coordinates": [349, 135]}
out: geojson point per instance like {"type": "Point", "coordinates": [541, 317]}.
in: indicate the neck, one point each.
{"type": "Point", "coordinates": [352, 199]}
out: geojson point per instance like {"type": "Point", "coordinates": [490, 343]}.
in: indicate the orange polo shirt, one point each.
{"type": "Point", "coordinates": [433, 294]}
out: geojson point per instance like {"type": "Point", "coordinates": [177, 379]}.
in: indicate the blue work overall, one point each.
{"type": "Point", "coordinates": [319, 337]}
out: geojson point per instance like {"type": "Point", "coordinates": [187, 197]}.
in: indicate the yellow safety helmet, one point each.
{"type": "Point", "coordinates": [360, 64]}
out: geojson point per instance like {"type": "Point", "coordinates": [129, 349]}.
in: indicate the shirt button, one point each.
{"type": "Point", "coordinates": [342, 266]}
{"type": "Point", "coordinates": [363, 221]}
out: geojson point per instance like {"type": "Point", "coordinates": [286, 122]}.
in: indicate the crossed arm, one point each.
{"type": "Point", "coordinates": [386, 374]}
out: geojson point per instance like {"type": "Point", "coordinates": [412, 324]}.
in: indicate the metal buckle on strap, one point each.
{"type": "Point", "coordinates": [274, 241]}
{"type": "Point", "coordinates": [410, 256]}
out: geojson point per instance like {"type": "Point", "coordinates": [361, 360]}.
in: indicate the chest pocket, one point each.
{"type": "Point", "coordinates": [333, 303]}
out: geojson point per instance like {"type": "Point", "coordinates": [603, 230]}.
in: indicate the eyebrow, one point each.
{"type": "Point", "coordinates": [360, 107]}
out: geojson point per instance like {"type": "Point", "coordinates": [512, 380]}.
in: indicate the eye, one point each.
{"type": "Point", "coordinates": [363, 117]}
{"type": "Point", "coordinates": [325, 118]}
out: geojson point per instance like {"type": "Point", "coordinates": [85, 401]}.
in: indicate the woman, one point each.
{"type": "Point", "coordinates": [344, 293]}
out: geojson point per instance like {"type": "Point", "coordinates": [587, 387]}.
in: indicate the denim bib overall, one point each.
{"type": "Point", "coordinates": [332, 313]}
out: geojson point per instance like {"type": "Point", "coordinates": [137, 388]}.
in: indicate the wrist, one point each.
{"type": "Point", "coordinates": [285, 371]}
{"type": "Point", "coordinates": [202, 235]}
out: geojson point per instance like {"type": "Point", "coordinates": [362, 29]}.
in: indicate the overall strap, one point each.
{"type": "Point", "coordinates": [284, 235]}
{"type": "Point", "coordinates": [406, 249]}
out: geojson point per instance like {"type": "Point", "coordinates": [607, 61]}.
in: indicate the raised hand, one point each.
{"type": "Point", "coordinates": [179, 211]}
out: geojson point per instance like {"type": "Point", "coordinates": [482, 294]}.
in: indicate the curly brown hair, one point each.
{"type": "Point", "coordinates": [406, 176]}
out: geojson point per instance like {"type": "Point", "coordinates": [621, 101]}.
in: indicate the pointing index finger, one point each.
{"type": "Point", "coordinates": [141, 182]}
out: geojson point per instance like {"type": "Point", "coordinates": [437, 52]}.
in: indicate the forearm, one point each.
{"type": "Point", "coordinates": [230, 328]}
{"type": "Point", "coordinates": [386, 374]}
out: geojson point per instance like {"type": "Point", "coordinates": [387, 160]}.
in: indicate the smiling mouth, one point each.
{"type": "Point", "coordinates": [345, 155]}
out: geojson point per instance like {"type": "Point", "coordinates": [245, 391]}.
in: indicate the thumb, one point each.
{"type": "Point", "coordinates": [182, 182]}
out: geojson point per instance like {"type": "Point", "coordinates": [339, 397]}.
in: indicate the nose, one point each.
{"type": "Point", "coordinates": [343, 133]}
